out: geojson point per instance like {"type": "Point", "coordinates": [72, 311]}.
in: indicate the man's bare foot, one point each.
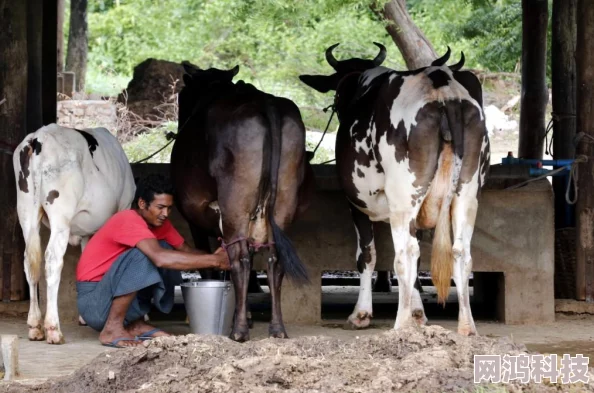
{"type": "Point", "coordinates": [139, 327]}
{"type": "Point", "coordinates": [109, 335]}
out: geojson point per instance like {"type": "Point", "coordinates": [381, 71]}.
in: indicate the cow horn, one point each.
{"type": "Point", "coordinates": [458, 65]}
{"type": "Point", "coordinates": [442, 60]}
{"type": "Point", "coordinates": [381, 56]}
{"type": "Point", "coordinates": [330, 57]}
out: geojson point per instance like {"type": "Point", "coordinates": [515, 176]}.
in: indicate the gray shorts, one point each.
{"type": "Point", "coordinates": [131, 272]}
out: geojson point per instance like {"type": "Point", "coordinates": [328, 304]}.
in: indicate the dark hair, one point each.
{"type": "Point", "coordinates": [149, 186]}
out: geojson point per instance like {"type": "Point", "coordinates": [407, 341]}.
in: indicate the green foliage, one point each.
{"type": "Point", "coordinates": [148, 143]}
{"type": "Point", "coordinates": [275, 41]}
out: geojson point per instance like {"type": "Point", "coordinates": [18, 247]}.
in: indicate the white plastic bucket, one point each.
{"type": "Point", "coordinates": [210, 305]}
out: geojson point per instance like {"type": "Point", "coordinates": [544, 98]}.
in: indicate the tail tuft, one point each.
{"type": "Point", "coordinates": [442, 258]}
{"type": "Point", "coordinates": [292, 265]}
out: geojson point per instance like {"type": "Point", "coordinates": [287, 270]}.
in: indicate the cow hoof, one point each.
{"type": "Point", "coordinates": [240, 337]}
{"type": "Point", "coordinates": [36, 334]}
{"type": "Point", "coordinates": [277, 332]}
{"type": "Point", "coordinates": [250, 323]}
{"type": "Point", "coordinates": [419, 317]}
{"type": "Point", "coordinates": [54, 336]}
{"type": "Point", "coordinates": [361, 320]}
{"type": "Point", "coordinates": [467, 331]}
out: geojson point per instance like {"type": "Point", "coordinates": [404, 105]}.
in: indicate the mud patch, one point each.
{"type": "Point", "coordinates": [430, 359]}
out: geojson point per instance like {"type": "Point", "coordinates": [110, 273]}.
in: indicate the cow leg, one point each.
{"type": "Point", "coordinates": [250, 321]}
{"type": "Point", "coordinates": [32, 264]}
{"type": "Point", "coordinates": [83, 244]}
{"type": "Point", "coordinates": [464, 209]}
{"type": "Point", "coordinates": [407, 252]}
{"type": "Point", "coordinates": [366, 258]}
{"type": "Point", "coordinates": [275, 276]}
{"type": "Point", "coordinates": [54, 261]}
{"type": "Point", "coordinates": [240, 274]}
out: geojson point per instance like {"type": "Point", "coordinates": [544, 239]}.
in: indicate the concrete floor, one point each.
{"type": "Point", "coordinates": [38, 360]}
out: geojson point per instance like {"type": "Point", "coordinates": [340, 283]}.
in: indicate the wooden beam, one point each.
{"type": "Point", "coordinates": [534, 91]}
{"type": "Point", "coordinates": [13, 90]}
{"type": "Point", "coordinates": [49, 61]}
{"type": "Point", "coordinates": [585, 124]}
{"type": "Point", "coordinates": [564, 30]}
{"type": "Point", "coordinates": [60, 37]}
{"type": "Point", "coordinates": [34, 42]}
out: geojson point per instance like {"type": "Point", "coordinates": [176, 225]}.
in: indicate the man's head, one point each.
{"type": "Point", "coordinates": [153, 199]}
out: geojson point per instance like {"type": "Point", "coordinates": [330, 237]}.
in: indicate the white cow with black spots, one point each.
{"type": "Point", "coordinates": [412, 150]}
{"type": "Point", "coordinates": [72, 181]}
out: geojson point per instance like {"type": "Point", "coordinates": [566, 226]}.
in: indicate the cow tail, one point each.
{"type": "Point", "coordinates": [286, 254]}
{"type": "Point", "coordinates": [30, 211]}
{"type": "Point", "coordinates": [442, 258]}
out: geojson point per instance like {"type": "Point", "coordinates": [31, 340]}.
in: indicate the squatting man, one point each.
{"type": "Point", "coordinates": [136, 257]}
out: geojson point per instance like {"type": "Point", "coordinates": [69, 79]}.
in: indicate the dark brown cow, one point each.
{"type": "Point", "coordinates": [411, 150]}
{"type": "Point", "coordinates": [240, 172]}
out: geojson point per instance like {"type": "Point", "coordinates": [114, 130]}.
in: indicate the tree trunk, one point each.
{"type": "Point", "coordinates": [414, 46]}
{"type": "Point", "coordinates": [60, 53]}
{"type": "Point", "coordinates": [78, 45]}
{"type": "Point", "coordinates": [534, 91]}
{"type": "Point", "coordinates": [34, 80]}
{"type": "Point", "coordinates": [585, 124]}
{"type": "Point", "coordinates": [13, 98]}
{"type": "Point", "coordinates": [49, 61]}
{"type": "Point", "coordinates": [563, 76]}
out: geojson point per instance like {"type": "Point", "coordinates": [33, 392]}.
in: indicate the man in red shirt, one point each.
{"type": "Point", "coordinates": [134, 260]}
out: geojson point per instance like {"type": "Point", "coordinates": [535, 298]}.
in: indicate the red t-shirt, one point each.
{"type": "Point", "coordinates": [119, 234]}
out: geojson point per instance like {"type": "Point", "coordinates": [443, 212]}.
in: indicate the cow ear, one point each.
{"type": "Point", "coordinates": [321, 83]}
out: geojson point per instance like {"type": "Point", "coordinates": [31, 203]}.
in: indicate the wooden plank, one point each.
{"type": "Point", "coordinates": [49, 61]}
{"type": "Point", "coordinates": [13, 115]}
{"type": "Point", "coordinates": [585, 124]}
{"type": "Point", "coordinates": [60, 37]}
{"type": "Point", "coordinates": [563, 41]}
{"type": "Point", "coordinates": [34, 41]}
{"type": "Point", "coordinates": [534, 92]}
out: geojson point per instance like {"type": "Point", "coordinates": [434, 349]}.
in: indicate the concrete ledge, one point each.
{"type": "Point", "coordinates": [574, 306]}
{"type": "Point", "coordinates": [14, 309]}
{"type": "Point", "coordinates": [514, 235]}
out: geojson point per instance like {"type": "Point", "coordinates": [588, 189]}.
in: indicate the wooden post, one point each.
{"type": "Point", "coordinates": [13, 94]}
{"type": "Point", "coordinates": [34, 39]}
{"type": "Point", "coordinates": [60, 36]}
{"type": "Point", "coordinates": [534, 92]}
{"type": "Point", "coordinates": [564, 30]}
{"type": "Point", "coordinates": [49, 61]}
{"type": "Point", "coordinates": [585, 124]}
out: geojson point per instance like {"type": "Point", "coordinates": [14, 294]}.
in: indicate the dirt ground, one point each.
{"type": "Point", "coordinates": [430, 359]}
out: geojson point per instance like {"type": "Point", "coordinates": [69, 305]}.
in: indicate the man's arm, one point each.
{"type": "Point", "coordinates": [181, 260]}
{"type": "Point", "coordinates": [185, 247]}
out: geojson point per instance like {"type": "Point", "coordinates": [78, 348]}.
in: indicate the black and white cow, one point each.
{"type": "Point", "coordinates": [412, 150]}
{"type": "Point", "coordinates": [72, 181]}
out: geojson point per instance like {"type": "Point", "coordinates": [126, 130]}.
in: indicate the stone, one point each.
{"type": "Point", "coordinates": [10, 355]}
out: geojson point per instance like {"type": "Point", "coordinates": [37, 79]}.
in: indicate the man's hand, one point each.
{"type": "Point", "coordinates": [224, 263]}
